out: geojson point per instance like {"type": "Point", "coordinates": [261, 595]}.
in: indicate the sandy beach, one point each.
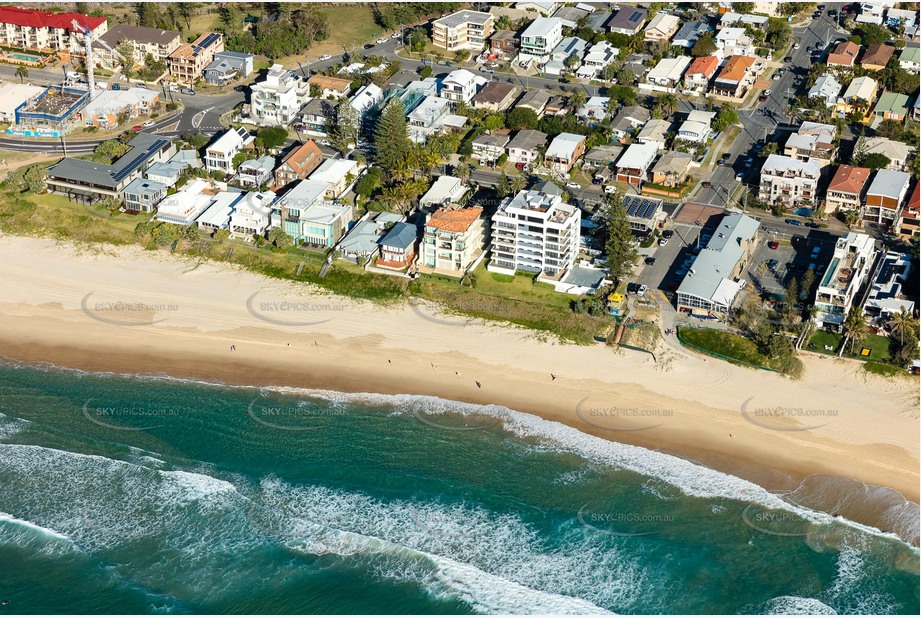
{"type": "Point", "coordinates": [133, 311]}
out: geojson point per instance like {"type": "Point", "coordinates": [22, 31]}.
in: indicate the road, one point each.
{"type": "Point", "coordinates": [766, 120]}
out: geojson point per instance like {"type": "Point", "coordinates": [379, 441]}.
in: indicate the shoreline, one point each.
{"type": "Point", "coordinates": [683, 405]}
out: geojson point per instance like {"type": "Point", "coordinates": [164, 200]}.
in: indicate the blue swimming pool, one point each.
{"type": "Point", "coordinates": [26, 57]}
{"type": "Point", "coordinates": [803, 212]}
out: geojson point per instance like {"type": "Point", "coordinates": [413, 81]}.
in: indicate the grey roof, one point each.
{"type": "Point", "coordinates": [265, 163]}
{"type": "Point", "coordinates": [118, 32]}
{"type": "Point", "coordinates": [400, 235]}
{"type": "Point", "coordinates": [225, 64]}
{"type": "Point", "coordinates": [628, 17]}
{"type": "Point", "coordinates": [144, 186]}
{"type": "Point", "coordinates": [584, 277]}
{"type": "Point", "coordinates": [690, 32]}
{"type": "Point", "coordinates": [320, 107]}
{"type": "Point", "coordinates": [171, 168]}
{"type": "Point", "coordinates": [462, 17]}
{"type": "Point", "coordinates": [570, 13]}
{"type": "Point", "coordinates": [889, 183]}
{"type": "Point", "coordinates": [711, 268]}
{"type": "Point", "coordinates": [547, 188]}
{"type": "Point", "coordinates": [528, 139]}
{"type": "Point", "coordinates": [608, 152]}
{"type": "Point", "coordinates": [493, 139]}
{"type": "Point", "coordinates": [143, 146]}
{"type": "Point", "coordinates": [534, 99]}
{"type": "Point", "coordinates": [597, 19]}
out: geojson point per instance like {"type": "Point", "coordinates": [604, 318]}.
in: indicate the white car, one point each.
{"type": "Point", "coordinates": [767, 92]}
{"type": "Point", "coordinates": [610, 189]}
{"type": "Point", "coordinates": [148, 124]}
{"type": "Point", "coordinates": [796, 46]}
{"type": "Point", "coordinates": [382, 41]}
{"type": "Point", "coordinates": [573, 185]}
{"type": "Point", "coordinates": [324, 57]}
{"type": "Point", "coordinates": [395, 35]}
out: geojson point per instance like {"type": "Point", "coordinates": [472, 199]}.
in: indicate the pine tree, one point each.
{"type": "Point", "coordinates": [860, 148]}
{"type": "Point", "coordinates": [391, 139]}
{"type": "Point", "coordinates": [345, 132]}
{"type": "Point", "coordinates": [619, 245]}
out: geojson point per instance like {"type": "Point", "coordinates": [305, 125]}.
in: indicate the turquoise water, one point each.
{"type": "Point", "coordinates": [26, 57]}
{"type": "Point", "coordinates": [128, 495]}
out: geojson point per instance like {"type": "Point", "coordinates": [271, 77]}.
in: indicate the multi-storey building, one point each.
{"type": "Point", "coordinates": [814, 141]}
{"type": "Point", "coordinates": [461, 86]}
{"type": "Point", "coordinates": [885, 196]}
{"type": "Point", "coordinates": [525, 147]}
{"type": "Point", "coordinates": [39, 30]}
{"type": "Point", "coordinates": [633, 165]}
{"type": "Point", "coordinates": [735, 77]}
{"type": "Point", "coordinates": [789, 182]}
{"type": "Point", "coordinates": [838, 287]}
{"type": "Point", "coordinates": [489, 147]}
{"type": "Point", "coordinates": [453, 239]}
{"type": "Point", "coordinates": [733, 42]}
{"type": "Point", "coordinates": [219, 155]}
{"type": "Point", "coordinates": [308, 217]}
{"type": "Point", "coordinates": [845, 192]}
{"type": "Point", "coordinates": [278, 99]}
{"type": "Point", "coordinates": [535, 232]}
{"type": "Point", "coordinates": [157, 43]}
{"type": "Point", "coordinates": [886, 296]}
{"type": "Point", "coordinates": [564, 151]}
{"type": "Point", "coordinates": [299, 163]}
{"type": "Point", "coordinates": [908, 223]}
{"type": "Point", "coordinates": [540, 38]}
{"type": "Point", "coordinates": [462, 30]}
{"type": "Point", "coordinates": [188, 61]}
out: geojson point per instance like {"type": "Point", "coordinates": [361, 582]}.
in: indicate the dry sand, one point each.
{"type": "Point", "coordinates": [845, 422]}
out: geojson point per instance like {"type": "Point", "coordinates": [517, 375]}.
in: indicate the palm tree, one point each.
{"type": "Point", "coordinates": [855, 328]}
{"type": "Point", "coordinates": [518, 183]}
{"type": "Point", "coordinates": [462, 171]}
{"type": "Point", "coordinates": [903, 322]}
{"type": "Point", "coordinates": [669, 103]}
{"type": "Point", "coordinates": [22, 73]}
{"type": "Point", "coordinates": [577, 100]}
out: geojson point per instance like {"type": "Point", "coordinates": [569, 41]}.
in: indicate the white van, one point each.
{"type": "Point", "coordinates": [610, 189]}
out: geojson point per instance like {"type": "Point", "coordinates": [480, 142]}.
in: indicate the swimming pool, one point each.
{"type": "Point", "coordinates": [803, 212]}
{"type": "Point", "coordinates": [25, 57]}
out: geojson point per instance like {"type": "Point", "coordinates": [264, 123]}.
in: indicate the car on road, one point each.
{"type": "Point", "coordinates": [324, 57]}
{"type": "Point", "coordinates": [382, 40]}
{"type": "Point", "coordinates": [642, 290]}
{"type": "Point", "coordinates": [486, 70]}
{"type": "Point", "coordinates": [187, 91]}
{"type": "Point", "coordinates": [444, 63]}
{"type": "Point", "coordinates": [116, 87]}
{"type": "Point", "coordinates": [740, 176]}
{"type": "Point", "coordinates": [796, 46]}
{"type": "Point", "coordinates": [136, 128]}
{"type": "Point", "coordinates": [573, 185]}
{"type": "Point", "coordinates": [141, 85]}
{"type": "Point", "coordinates": [788, 59]}
{"type": "Point", "coordinates": [147, 124]}
{"type": "Point", "coordinates": [762, 98]}
{"type": "Point", "coordinates": [564, 80]}
{"type": "Point", "coordinates": [773, 244]}
{"type": "Point", "coordinates": [726, 155]}
{"type": "Point", "coordinates": [812, 224]}
{"type": "Point", "coordinates": [706, 184]}
{"type": "Point", "coordinates": [650, 261]}
{"type": "Point", "coordinates": [663, 242]}
{"type": "Point", "coordinates": [821, 7]}
{"type": "Point", "coordinates": [395, 35]}
{"type": "Point", "coordinates": [792, 222]}
{"type": "Point", "coordinates": [767, 92]}
{"type": "Point", "coordinates": [721, 162]}
{"type": "Point", "coordinates": [777, 76]}
{"type": "Point", "coordinates": [369, 46]}
{"type": "Point", "coordinates": [668, 233]}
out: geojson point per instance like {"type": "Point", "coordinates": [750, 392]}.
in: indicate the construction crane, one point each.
{"type": "Point", "coordinates": [88, 44]}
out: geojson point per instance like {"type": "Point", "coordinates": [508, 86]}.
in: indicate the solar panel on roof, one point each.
{"type": "Point", "coordinates": [636, 16]}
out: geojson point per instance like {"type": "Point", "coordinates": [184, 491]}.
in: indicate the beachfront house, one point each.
{"type": "Point", "coordinates": [453, 240]}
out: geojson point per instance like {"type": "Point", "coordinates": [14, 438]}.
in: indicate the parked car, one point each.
{"type": "Point", "coordinates": [187, 91]}
{"type": "Point", "coordinates": [485, 69]}
{"type": "Point", "coordinates": [324, 57]}
{"type": "Point", "coordinates": [663, 242]}
{"type": "Point", "coordinates": [369, 46]}
{"type": "Point", "coordinates": [148, 124]}
{"type": "Point", "coordinates": [749, 162]}
{"type": "Point", "coordinates": [596, 181]}
{"type": "Point", "coordinates": [773, 244]}
{"type": "Point", "coordinates": [382, 40]}
{"type": "Point", "coordinates": [792, 222]}
{"type": "Point", "coordinates": [796, 46]}
{"type": "Point", "coordinates": [668, 233]}
{"type": "Point", "coordinates": [564, 80]}
{"type": "Point", "coordinates": [642, 290]}
{"type": "Point", "coordinates": [116, 87]}
{"type": "Point", "coordinates": [650, 261]}
{"type": "Point", "coordinates": [610, 189]}
{"type": "Point", "coordinates": [706, 184]}
{"type": "Point", "coordinates": [395, 35]}
{"type": "Point", "coordinates": [573, 185]}
{"type": "Point", "coordinates": [632, 288]}
{"type": "Point", "coordinates": [136, 128]}
{"type": "Point", "coordinates": [812, 224]}
{"type": "Point", "coordinates": [762, 98]}
{"type": "Point", "coordinates": [740, 176]}
{"type": "Point", "coordinates": [788, 59]}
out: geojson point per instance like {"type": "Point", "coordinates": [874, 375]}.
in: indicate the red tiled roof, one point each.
{"type": "Point", "coordinates": [844, 54]}
{"type": "Point", "coordinates": [44, 19]}
{"type": "Point", "coordinates": [306, 154]}
{"type": "Point", "coordinates": [736, 68]}
{"type": "Point", "coordinates": [705, 65]}
{"type": "Point", "coordinates": [877, 55]}
{"type": "Point", "coordinates": [914, 202]}
{"type": "Point", "coordinates": [454, 220]}
{"type": "Point", "coordinates": [849, 179]}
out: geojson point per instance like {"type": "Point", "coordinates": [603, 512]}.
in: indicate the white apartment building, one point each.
{"type": "Point", "coordinates": [540, 38]}
{"type": "Point", "coordinates": [535, 232]}
{"type": "Point", "coordinates": [838, 287]}
{"type": "Point", "coordinates": [790, 182]}
{"type": "Point", "coordinates": [278, 99]}
{"type": "Point", "coordinates": [219, 155]}
{"type": "Point", "coordinates": [38, 29]}
{"type": "Point", "coordinates": [461, 86]}
{"type": "Point", "coordinates": [462, 30]}
{"type": "Point", "coordinates": [427, 118]}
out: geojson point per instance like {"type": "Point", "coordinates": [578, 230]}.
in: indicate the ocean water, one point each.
{"type": "Point", "coordinates": [134, 495]}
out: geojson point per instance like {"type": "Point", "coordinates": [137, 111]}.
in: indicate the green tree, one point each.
{"type": "Point", "coordinates": [874, 160]}
{"type": "Point", "coordinates": [855, 328]}
{"type": "Point", "coordinates": [705, 46]}
{"type": "Point", "coordinates": [344, 131]}
{"type": "Point", "coordinates": [221, 235]}
{"type": "Point", "coordinates": [725, 117]}
{"type": "Point", "coordinates": [111, 149]}
{"type": "Point", "coordinates": [280, 238]}
{"type": "Point", "coordinates": [669, 103]}
{"type": "Point", "coordinates": [146, 13]}
{"type": "Point", "coordinates": [273, 137]}
{"type": "Point", "coordinates": [391, 139]}
{"type": "Point", "coordinates": [196, 140]}
{"type": "Point", "coordinates": [425, 72]}
{"type": "Point", "coordinates": [369, 182]}
{"type": "Point", "coordinates": [126, 48]}
{"type": "Point", "coordinates": [22, 73]}
{"type": "Point", "coordinates": [889, 128]}
{"type": "Point", "coordinates": [503, 187]}
{"type": "Point", "coordinates": [33, 180]}
{"type": "Point", "coordinates": [619, 245]}
{"type": "Point", "coordinates": [903, 323]}
{"type": "Point", "coordinates": [521, 118]}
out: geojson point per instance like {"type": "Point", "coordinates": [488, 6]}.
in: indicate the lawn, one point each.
{"type": "Point", "coordinates": [730, 345]}
{"type": "Point", "coordinates": [878, 345]}
{"type": "Point", "coordinates": [350, 27]}
{"type": "Point", "coordinates": [521, 286]}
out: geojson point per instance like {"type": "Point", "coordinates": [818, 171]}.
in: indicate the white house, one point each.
{"type": "Point", "coordinates": [524, 147]}
{"type": "Point", "coordinates": [871, 13]}
{"type": "Point", "coordinates": [697, 126]}
{"type": "Point", "coordinates": [633, 165]}
{"type": "Point", "coordinates": [733, 42]}
{"type": "Point", "coordinates": [365, 98]}
{"type": "Point", "coordinates": [460, 86]}
{"type": "Point", "coordinates": [340, 174]}
{"type": "Point", "coordinates": [599, 55]}
{"type": "Point", "coordinates": [827, 87]}
{"type": "Point", "coordinates": [251, 214]}
{"type": "Point", "coordinates": [850, 266]}
{"type": "Point", "coordinates": [666, 75]}
{"type": "Point", "coordinates": [445, 191]}
{"type": "Point", "coordinates": [428, 118]}
{"type": "Point", "coordinates": [219, 155]}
